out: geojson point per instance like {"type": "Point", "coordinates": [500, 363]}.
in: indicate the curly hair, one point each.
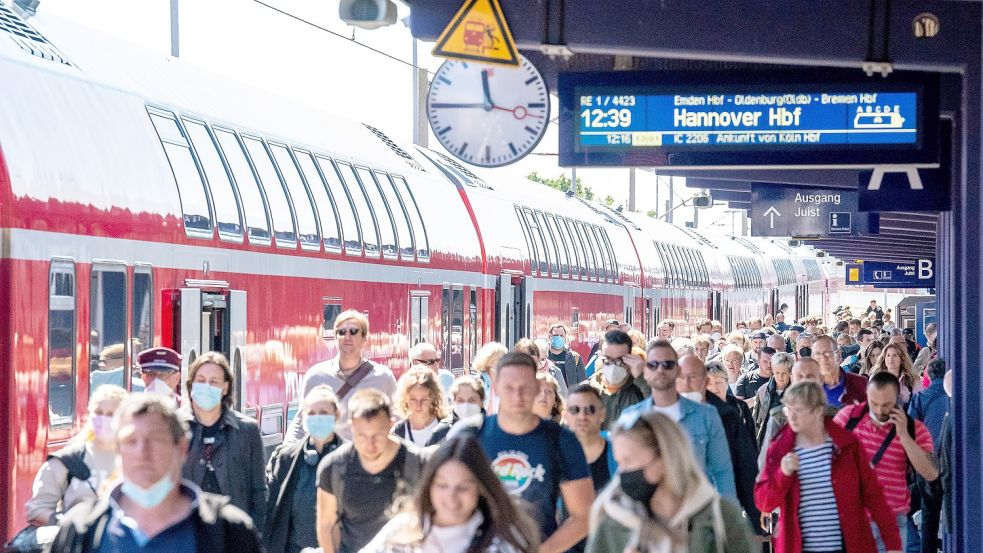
{"type": "Point", "coordinates": [425, 378]}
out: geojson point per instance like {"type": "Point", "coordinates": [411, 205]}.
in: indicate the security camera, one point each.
{"type": "Point", "coordinates": [794, 243]}
{"type": "Point", "coordinates": [820, 254]}
{"type": "Point", "coordinates": [367, 14]}
{"type": "Point", "coordinates": [703, 200]}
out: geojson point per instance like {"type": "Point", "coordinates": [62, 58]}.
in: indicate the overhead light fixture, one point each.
{"type": "Point", "coordinates": [703, 200]}
{"type": "Point", "coordinates": [367, 14]}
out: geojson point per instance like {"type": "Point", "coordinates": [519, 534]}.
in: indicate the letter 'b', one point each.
{"type": "Point", "coordinates": [925, 270]}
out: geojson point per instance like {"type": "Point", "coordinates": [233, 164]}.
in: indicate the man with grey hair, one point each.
{"type": "Point", "coordinates": [426, 355]}
{"type": "Point", "coordinates": [153, 509]}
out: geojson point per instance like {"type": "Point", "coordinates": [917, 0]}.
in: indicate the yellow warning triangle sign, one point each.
{"type": "Point", "coordinates": [478, 33]}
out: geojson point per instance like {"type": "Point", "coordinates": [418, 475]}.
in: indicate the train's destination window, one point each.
{"type": "Point", "coordinates": [775, 119]}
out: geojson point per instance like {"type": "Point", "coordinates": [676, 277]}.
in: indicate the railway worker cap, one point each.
{"type": "Point", "coordinates": [159, 360]}
{"type": "Point", "coordinates": [759, 335]}
{"type": "Point", "coordinates": [797, 328]}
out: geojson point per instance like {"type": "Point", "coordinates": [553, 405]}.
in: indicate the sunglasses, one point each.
{"type": "Point", "coordinates": [348, 331]}
{"type": "Point", "coordinates": [611, 361]}
{"type": "Point", "coordinates": [427, 362]}
{"type": "Point", "coordinates": [575, 409]}
{"type": "Point", "coordinates": [667, 365]}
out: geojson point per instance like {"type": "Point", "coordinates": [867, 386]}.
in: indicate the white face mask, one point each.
{"type": "Point", "coordinates": [465, 410]}
{"type": "Point", "coordinates": [160, 387]}
{"type": "Point", "coordinates": [715, 335]}
{"type": "Point", "coordinates": [614, 374]}
{"type": "Point", "coordinates": [693, 396]}
{"type": "Point", "coordinates": [102, 427]}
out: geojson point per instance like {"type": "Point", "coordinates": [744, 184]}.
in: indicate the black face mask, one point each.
{"type": "Point", "coordinates": [635, 486]}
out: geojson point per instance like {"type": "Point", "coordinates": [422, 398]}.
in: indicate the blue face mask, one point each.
{"type": "Point", "coordinates": [319, 426]}
{"type": "Point", "coordinates": [148, 498]}
{"type": "Point", "coordinates": [205, 397]}
{"type": "Point", "coordinates": [557, 342]}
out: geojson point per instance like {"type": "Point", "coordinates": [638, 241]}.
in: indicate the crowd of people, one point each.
{"type": "Point", "coordinates": [797, 437]}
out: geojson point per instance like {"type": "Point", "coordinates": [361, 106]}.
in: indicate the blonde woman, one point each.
{"type": "Point", "coordinates": [483, 367]}
{"type": "Point", "coordinates": [894, 359]}
{"type": "Point", "coordinates": [80, 470]}
{"type": "Point", "coordinates": [420, 401]}
{"type": "Point", "coordinates": [660, 500]}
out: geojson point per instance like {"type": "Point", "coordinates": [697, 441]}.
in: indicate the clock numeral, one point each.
{"type": "Point", "coordinates": [487, 153]}
{"type": "Point", "coordinates": [537, 105]}
{"type": "Point", "coordinates": [531, 80]}
{"type": "Point", "coordinates": [443, 130]}
{"type": "Point", "coordinates": [531, 130]}
{"type": "Point", "coordinates": [444, 80]}
{"type": "Point", "coordinates": [463, 147]}
{"type": "Point", "coordinates": [514, 151]}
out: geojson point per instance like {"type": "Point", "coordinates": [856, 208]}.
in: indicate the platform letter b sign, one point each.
{"type": "Point", "coordinates": [925, 270]}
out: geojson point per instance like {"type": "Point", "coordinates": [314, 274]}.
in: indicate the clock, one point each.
{"type": "Point", "coordinates": [488, 115]}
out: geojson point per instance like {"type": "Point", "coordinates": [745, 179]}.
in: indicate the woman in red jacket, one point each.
{"type": "Point", "coordinates": [818, 476]}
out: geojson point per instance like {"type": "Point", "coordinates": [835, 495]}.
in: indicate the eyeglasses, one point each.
{"type": "Point", "coordinates": [611, 361]}
{"type": "Point", "coordinates": [348, 331]}
{"type": "Point", "coordinates": [667, 365]}
{"type": "Point", "coordinates": [427, 362]}
{"type": "Point", "coordinates": [575, 409]}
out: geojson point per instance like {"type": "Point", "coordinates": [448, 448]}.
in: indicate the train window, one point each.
{"type": "Point", "coordinates": [400, 215]}
{"type": "Point", "coordinates": [688, 263]}
{"type": "Point", "coordinates": [419, 315]}
{"type": "Point", "coordinates": [550, 243]}
{"type": "Point", "coordinates": [387, 227]}
{"type": "Point", "coordinates": [603, 267]}
{"type": "Point", "coordinates": [346, 208]}
{"type": "Point", "coordinates": [472, 330]}
{"type": "Point", "coordinates": [578, 249]}
{"type": "Point", "coordinates": [605, 253]}
{"type": "Point", "coordinates": [253, 204]}
{"type": "Point", "coordinates": [323, 201]}
{"type": "Point", "coordinates": [284, 232]}
{"type": "Point", "coordinates": [310, 238]}
{"type": "Point", "coordinates": [530, 243]}
{"type": "Point", "coordinates": [61, 342]}
{"type": "Point", "coordinates": [142, 309]}
{"type": "Point", "coordinates": [419, 229]}
{"type": "Point", "coordinates": [329, 315]}
{"type": "Point", "coordinates": [587, 250]}
{"type": "Point", "coordinates": [224, 198]}
{"type": "Point", "coordinates": [576, 268]}
{"type": "Point", "coordinates": [614, 260]}
{"type": "Point", "coordinates": [190, 186]}
{"type": "Point", "coordinates": [561, 245]}
{"type": "Point", "coordinates": [659, 249]}
{"type": "Point", "coordinates": [540, 240]}
{"type": "Point", "coordinates": [678, 266]}
{"type": "Point", "coordinates": [366, 219]}
{"type": "Point", "coordinates": [107, 326]}
{"type": "Point", "coordinates": [454, 333]}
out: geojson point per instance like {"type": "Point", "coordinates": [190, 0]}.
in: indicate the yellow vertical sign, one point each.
{"type": "Point", "coordinates": [854, 274]}
{"type": "Point", "coordinates": [478, 33]}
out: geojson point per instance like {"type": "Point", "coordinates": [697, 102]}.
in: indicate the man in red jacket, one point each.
{"type": "Point", "coordinates": [842, 387]}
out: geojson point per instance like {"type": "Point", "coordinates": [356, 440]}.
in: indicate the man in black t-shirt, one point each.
{"type": "Point", "coordinates": [584, 416]}
{"type": "Point", "coordinates": [359, 482]}
{"type": "Point", "coordinates": [749, 382]}
{"type": "Point", "coordinates": [876, 310]}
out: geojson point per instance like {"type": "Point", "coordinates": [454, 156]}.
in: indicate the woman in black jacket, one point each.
{"type": "Point", "coordinates": [226, 452]}
{"type": "Point", "coordinates": [292, 476]}
{"type": "Point", "coordinates": [420, 401]}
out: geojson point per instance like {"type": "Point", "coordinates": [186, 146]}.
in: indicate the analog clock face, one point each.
{"type": "Point", "coordinates": [488, 115]}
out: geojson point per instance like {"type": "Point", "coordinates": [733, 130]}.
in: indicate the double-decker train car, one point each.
{"type": "Point", "coordinates": [145, 202]}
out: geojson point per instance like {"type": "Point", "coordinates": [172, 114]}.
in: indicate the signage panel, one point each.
{"type": "Point", "coordinates": [917, 274]}
{"type": "Point", "coordinates": [807, 212]}
{"type": "Point", "coordinates": [908, 188]}
{"type": "Point", "coordinates": [835, 119]}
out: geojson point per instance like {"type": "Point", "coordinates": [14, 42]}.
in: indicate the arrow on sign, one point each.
{"type": "Point", "coordinates": [771, 212]}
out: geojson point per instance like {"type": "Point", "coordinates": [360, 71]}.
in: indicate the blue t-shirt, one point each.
{"type": "Point", "coordinates": [532, 466]}
{"type": "Point", "coordinates": [834, 394]}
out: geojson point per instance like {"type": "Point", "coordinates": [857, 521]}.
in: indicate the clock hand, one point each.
{"type": "Point", "coordinates": [484, 86]}
{"type": "Point", "coordinates": [519, 112]}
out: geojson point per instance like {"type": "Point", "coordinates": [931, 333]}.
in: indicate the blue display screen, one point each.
{"type": "Point", "coordinates": [762, 120]}
{"type": "Point", "coordinates": [777, 119]}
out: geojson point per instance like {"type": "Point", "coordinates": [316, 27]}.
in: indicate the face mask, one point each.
{"type": "Point", "coordinates": [205, 396]}
{"type": "Point", "coordinates": [465, 410]}
{"type": "Point", "coordinates": [557, 342]}
{"type": "Point", "coordinates": [635, 486]}
{"type": "Point", "coordinates": [715, 335]}
{"type": "Point", "coordinates": [148, 498]}
{"type": "Point", "coordinates": [319, 426]}
{"type": "Point", "coordinates": [613, 374]}
{"type": "Point", "coordinates": [102, 427]}
{"type": "Point", "coordinates": [693, 396]}
{"type": "Point", "coordinates": [160, 387]}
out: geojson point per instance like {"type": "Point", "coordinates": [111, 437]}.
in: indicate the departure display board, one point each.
{"type": "Point", "coordinates": [773, 119]}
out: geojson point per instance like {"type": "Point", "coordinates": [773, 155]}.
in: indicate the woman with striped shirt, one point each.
{"type": "Point", "coordinates": [818, 476]}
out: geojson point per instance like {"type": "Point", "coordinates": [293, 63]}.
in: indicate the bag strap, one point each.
{"type": "Point", "coordinates": [856, 418]}
{"type": "Point", "coordinates": [883, 449]}
{"type": "Point", "coordinates": [338, 472]}
{"type": "Point", "coordinates": [361, 372]}
{"type": "Point", "coordinates": [73, 457]}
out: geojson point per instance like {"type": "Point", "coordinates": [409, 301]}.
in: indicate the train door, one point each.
{"type": "Point", "coordinates": [773, 303]}
{"type": "Point", "coordinates": [647, 320]}
{"type": "Point", "coordinates": [716, 306]}
{"type": "Point", "coordinates": [512, 311]}
{"type": "Point", "coordinates": [631, 292]}
{"type": "Point", "coordinates": [197, 321]}
{"type": "Point", "coordinates": [454, 338]}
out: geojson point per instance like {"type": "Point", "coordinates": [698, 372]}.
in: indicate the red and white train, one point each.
{"type": "Point", "coordinates": [145, 202]}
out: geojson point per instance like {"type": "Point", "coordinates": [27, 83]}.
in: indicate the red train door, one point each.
{"type": "Point", "coordinates": [197, 320]}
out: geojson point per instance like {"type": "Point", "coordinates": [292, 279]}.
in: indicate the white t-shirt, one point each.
{"type": "Point", "coordinates": [422, 436]}
{"type": "Point", "coordinates": [673, 411]}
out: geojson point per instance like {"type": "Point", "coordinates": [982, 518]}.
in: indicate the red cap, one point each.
{"type": "Point", "coordinates": [159, 359]}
